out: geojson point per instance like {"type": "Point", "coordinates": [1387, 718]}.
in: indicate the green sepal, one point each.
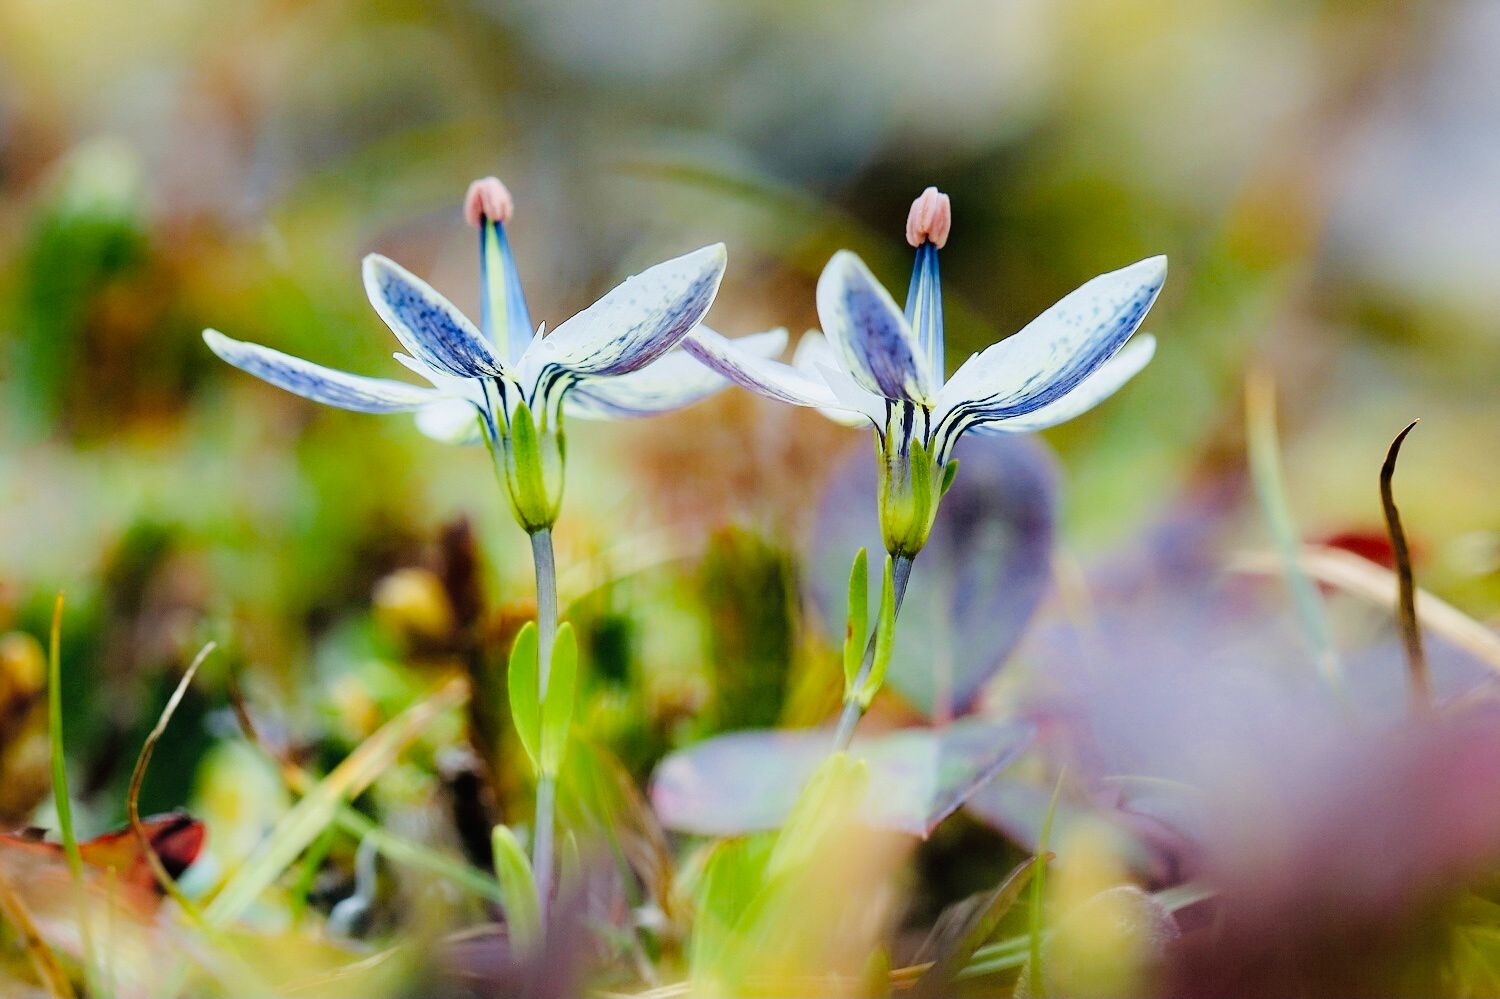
{"type": "Point", "coordinates": [910, 487]}
{"type": "Point", "coordinates": [950, 472]}
{"type": "Point", "coordinates": [885, 633]}
{"type": "Point", "coordinates": [517, 887]}
{"type": "Point", "coordinates": [524, 681]}
{"type": "Point", "coordinates": [921, 482]}
{"type": "Point", "coordinates": [858, 621]}
{"type": "Point", "coordinates": [523, 471]}
{"type": "Point", "coordinates": [557, 705]}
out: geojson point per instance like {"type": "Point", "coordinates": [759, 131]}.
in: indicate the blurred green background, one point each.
{"type": "Point", "coordinates": [1325, 178]}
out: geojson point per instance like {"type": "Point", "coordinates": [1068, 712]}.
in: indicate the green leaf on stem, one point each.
{"type": "Point", "coordinates": [513, 871]}
{"type": "Point", "coordinates": [885, 634]}
{"type": "Point", "coordinates": [858, 621]}
{"type": "Point", "coordinates": [524, 682]}
{"type": "Point", "coordinates": [557, 709]}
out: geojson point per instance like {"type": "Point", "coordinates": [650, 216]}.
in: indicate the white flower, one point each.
{"type": "Point", "coordinates": [614, 359]}
{"type": "Point", "coordinates": [876, 362]}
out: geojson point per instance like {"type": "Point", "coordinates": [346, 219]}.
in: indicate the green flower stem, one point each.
{"type": "Point", "coordinates": [844, 734]}
{"type": "Point", "coordinates": [546, 788]}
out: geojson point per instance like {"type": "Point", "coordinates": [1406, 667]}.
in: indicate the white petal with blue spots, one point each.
{"type": "Point", "coordinates": [814, 354]}
{"type": "Point", "coordinates": [320, 384]}
{"type": "Point", "coordinates": [761, 375]}
{"type": "Point", "coordinates": [1093, 390]}
{"type": "Point", "coordinates": [1056, 351]}
{"type": "Point", "coordinates": [637, 322]}
{"type": "Point", "coordinates": [670, 382]}
{"type": "Point", "coordinates": [870, 333]}
{"type": "Point", "coordinates": [428, 325]}
{"type": "Point", "coordinates": [452, 421]}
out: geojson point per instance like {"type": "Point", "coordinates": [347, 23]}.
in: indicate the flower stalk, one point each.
{"type": "Point", "coordinates": [545, 565]}
{"type": "Point", "coordinates": [861, 685]}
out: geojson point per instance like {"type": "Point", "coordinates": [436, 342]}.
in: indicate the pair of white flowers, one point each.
{"type": "Point", "coordinates": [642, 349]}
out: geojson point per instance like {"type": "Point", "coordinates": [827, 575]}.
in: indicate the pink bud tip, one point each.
{"type": "Point", "coordinates": [930, 218]}
{"type": "Point", "coordinates": [487, 198]}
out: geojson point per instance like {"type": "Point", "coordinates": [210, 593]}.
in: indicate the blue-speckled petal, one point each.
{"type": "Point", "coordinates": [637, 322]}
{"type": "Point", "coordinates": [816, 356]}
{"type": "Point", "coordinates": [503, 315]}
{"type": "Point", "coordinates": [428, 325]}
{"type": "Point", "coordinates": [452, 421]}
{"type": "Point", "coordinates": [670, 382]}
{"type": "Point", "coordinates": [1055, 352]}
{"type": "Point", "coordinates": [320, 384]}
{"type": "Point", "coordinates": [871, 336]}
{"type": "Point", "coordinates": [760, 375]}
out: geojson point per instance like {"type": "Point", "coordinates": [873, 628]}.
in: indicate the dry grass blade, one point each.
{"type": "Point", "coordinates": [320, 806]}
{"type": "Point", "coordinates": [138, 776]}
{"type": "Point", "coordinates": [396, 848]}
{"type": "Point", "coordinates": [1406, 599]}
{"type": "Point", "coordinates": [43, 961]}
{"type": "Point", "coordinates": [1367, 580]}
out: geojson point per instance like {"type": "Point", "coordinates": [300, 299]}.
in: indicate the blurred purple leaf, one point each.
{"type": "Point", "coordinates": [1154, 847]}
{"type": "Point", "coordinates": [1182, 685]}
{"type": "Point", "coordinates": [747, 781]}
{"type": "Point", "coordinates": [975, 586]}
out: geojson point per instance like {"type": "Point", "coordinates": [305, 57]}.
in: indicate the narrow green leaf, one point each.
{"type": "Point", "coordinates": [513, 871]}
{"type": "Point", "coordinates": [298, 828]}
{"type": "Point", "coordinates": [524, 681]}
{"type": "Point", "coordinates": [832, 798]}
{"type": "Point", "coordinates": [60, 797]}
{"type": "Point", "coordinates": [965, 927]}
{"type": "Point", "coordinates": [1264, 448]}
{"type": "Point", "coordinates": [1036, 914]}
{"type": "Point", "coordinates": [858, 620]}
{"type": "Point", "coordinates": [1011, 953]}
{"type": "Point", "coordinates": [570, 866]}
{"type": "Point", "coordinates": [733, 876]}
{"type": "Point", "coordinates": [885, 634]}
{"type": "Point", "coordinates": [557, 711]}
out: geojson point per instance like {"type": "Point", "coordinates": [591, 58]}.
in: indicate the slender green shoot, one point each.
{"type": "Point", "coordinates": [61, 798]}
{"type": "Point", "coordinates": [1270, 489]}
{"type": "Point", "coordinates": [1036, 913]}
